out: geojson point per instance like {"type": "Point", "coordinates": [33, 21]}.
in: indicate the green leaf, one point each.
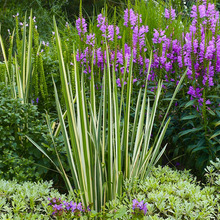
{"type": "Point", "coordinates": [215, 134]}
{"type": "Point", "coordinates": [190, 103]}
{"type": "Point", "coordinates": [217, 123]}
{"type": "Point", "coordinates": [211, 112]}
{"type": "Point", "coordinates": [198, 149]}
{"type": "Point", "coordinates": [213, 96]}
{"type": "Point", "coordinates": [189, 117]}
{"type": "Point", "coordinates": [120, 213]}
{"type": "Point", "coordinates": [193, 130]}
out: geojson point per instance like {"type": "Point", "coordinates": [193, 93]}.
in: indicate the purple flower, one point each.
{"type": "Point", "coordinates": [90, 39]}
{"type": "Point", "coordinates": [102, 24]}
{"type": "Point", "coordinates": [177, 164]}
{"type": "Point", "coordinates": [81, 26]}
{"type": "Point", "coordinates": [111, 33]}
{"type": "Point", "coordinates": [140, 208]}
{"type": "Point", "coordinates": [193, 12]}
{"type": "Point", "coordinates": [58, 207]}
{"type": "Point", "coordinates": [196, 93]}
{"type": "Point", "coordinates": [139, 34]}
{"type": "Point", "coordinates": [16, 15]}
{"type": "Point", "coordinates": [202, 11]}
{"type": "Point", "coordinates": [208, 102]}
{"type": "Point", "coordinates": [79, 206]}
{"type": "Point", "coordinates": [170, 13]}
{"type": "Point", "coordinates": [131, 17]}
{"type": "Point", "coordinates": [158, 36]}
{"type": "Point", "coordinates": [88, 208]}
{"type": "Point", "coordinates": [73, 206]}
{"type": "Point", "coordinates": [118, 82]}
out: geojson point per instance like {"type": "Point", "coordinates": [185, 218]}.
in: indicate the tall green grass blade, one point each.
{"type": "Point", "coordinates": [110, 128]}
{"type": "Point", "coordinates": [29, 72]}
{"type": "Point", "coordinates": [5, 58]}
{"type": "Point", "coordinates": [23, 56]}
{"type": "Point", "coordinates": [19, 81]}
{"type": "Point", "coordinates": [127, 121]}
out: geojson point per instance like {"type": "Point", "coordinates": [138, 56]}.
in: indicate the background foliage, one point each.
{"type": "Point", "coordinates": [19, 160]}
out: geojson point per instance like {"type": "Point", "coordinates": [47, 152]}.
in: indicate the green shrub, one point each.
{"type": "Point", "coordinates": [213, 173]}
{"type": "Point", "coordinates": [19, 159]}
{"type": "Point", "coordinates": [27, 200]}
{"type": "Point", "coordinates": [169, 195]}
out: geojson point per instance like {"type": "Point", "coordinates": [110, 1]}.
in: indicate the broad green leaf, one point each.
{"type": "Point", "coordinates": [211, 112]}
{"type": "Point", "coordinates": [217, 123]}
{"type": "Point", "coordinates": [198, 149]}
{"type": "Point", "coordinates": [120, 213]}
{"type": "Point", "coordinates": [190, 103]}
{"type": "Point", "coordinates": [188, 117]}
{"type": "Point", "coordinates": [215, 134]}
{"type": "Point", "coordinates": [193, 130]}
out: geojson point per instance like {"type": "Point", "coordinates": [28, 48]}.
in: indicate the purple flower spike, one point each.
{"type": "Point", "coordinates": [81, 26]}
{"type": "Point", "coordinates": [170, 13]}
{"type": "Point", "coordinates": [102, 24]}
{"type": "Point", "coordinates": [131, 17]}
{"type": "Point", "coordinates": [90, 40]}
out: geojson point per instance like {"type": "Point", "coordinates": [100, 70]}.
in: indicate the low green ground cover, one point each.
{"type": "Point", "coordinates": [169, 194]}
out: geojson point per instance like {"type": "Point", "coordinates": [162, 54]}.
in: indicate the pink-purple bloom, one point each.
{"type": "Point", "coordinates": [90, 39]}
{"type": "Point", "coordinates": [139, 208]}
{"type": "Point", "coordinates": [130, 17]}
{"type": "Point", "coordinates": [196, 50]}
{"type": "Point", "coordinates": [102, 24]}
{"type": "Point", "coordinates": [81, 26]}
{"type": "Point", "coordinates": [170, 13]}
{"type": "Point", "coordinates": [60, 207]}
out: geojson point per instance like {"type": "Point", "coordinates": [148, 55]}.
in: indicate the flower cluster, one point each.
{"type": "Point", "coordinates": [140, 208]}
{"type": "Point", "coordinates": [90, 39]}
{"type": "Point", "coordinates": [121, 55]}
{"type": "Point", "coordinates": [170, 13]}
{"type": "Point", "coordinates": [81, 26]}
{"type": "Point", "coordinates": [108, 31]}
{"type": "Point", "coordinates": [61, 208]}
{"type": "Point", "coordinates": [130, 17]}
{"type": "Point", "coordinates": [198, 50]}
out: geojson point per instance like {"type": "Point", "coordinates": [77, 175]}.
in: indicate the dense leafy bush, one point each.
{"type": "Point", "coordinates": [18, 158]}
{"type": "Point", "coordinates": [27, 200]}
{"type": "Point", "coordinates": [169, 194]}
{"type": "Point", "coordinates": [213, 173]}
{"type": "Point", "coordinates": [178, 41]}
